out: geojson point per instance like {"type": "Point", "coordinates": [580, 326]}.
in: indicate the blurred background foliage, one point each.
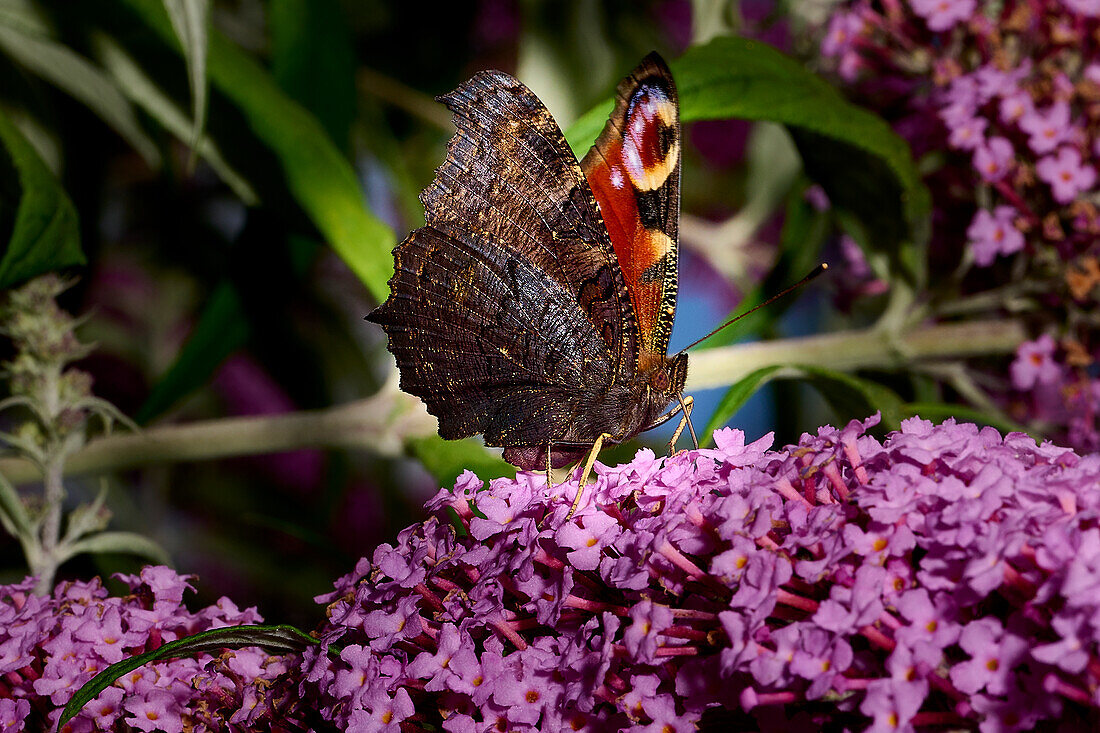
{"type": "Point", "coordinates": [227, 180]}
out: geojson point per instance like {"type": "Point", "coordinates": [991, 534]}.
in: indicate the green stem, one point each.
{"type": "Point", "coordinates": [380, 423]}
{"type": "Point", "coordinates": [849, 350]}
{"type": "Point", "coordinates": [54, 499]}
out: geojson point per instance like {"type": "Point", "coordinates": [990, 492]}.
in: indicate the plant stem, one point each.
{"type": "Point", "coordinates": [383, 422]}
{"type": "Point", "coordinates": [380, 423]}
{"type": "Point", "coordinates": [54, 500]}
{"type": "Point", "coordinates": [848, 350]}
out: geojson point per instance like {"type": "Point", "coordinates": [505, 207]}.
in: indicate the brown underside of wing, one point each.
{"type": "Point", "coordinates": [490, 344]}
{"type": "Point", "coordinates": [509, 314]}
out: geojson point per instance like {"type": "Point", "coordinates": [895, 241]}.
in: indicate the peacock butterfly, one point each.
{"type": "Point", "coordinates": [535, 306]}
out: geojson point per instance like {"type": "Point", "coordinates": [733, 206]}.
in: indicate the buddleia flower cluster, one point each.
{"type": "Point", "coordinates": [1002, 102]}
{"type": "Point", "coordinates": [50, 645]}
{"type": "Point", "coordinates": [947, 578]}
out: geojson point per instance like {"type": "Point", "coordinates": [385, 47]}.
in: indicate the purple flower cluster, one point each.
{"type": "Point", "coordinates": [1005, 97]}
{"type": "Point", "coordinates": [51, 645]}
{"type": "Point", "coordinates": [947, 577]}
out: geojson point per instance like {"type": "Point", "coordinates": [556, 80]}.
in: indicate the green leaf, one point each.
{"type": "Point", "coordinates": [860, 162]}
{"type": "Point", "coordinates": [14, 514]}
{"type": "Point", "coordinates": [938, 411]}
{"type": "Point", "coordinates": [130, 543]}
{"type": "Point", "coordinates": [221, 330]}
{"type": "Point", "coordinates": [27, 44]}
{"type": "Point", "coordinates": [189, 21]}
{"type": "Point", "coordinates": [445, 460]}
{"type": "Point", "coordinates": [44, 234]}
{"type": "Point", "coordinates": [144, 92]}
{"type": "Point", "coordinates": [854, 397]}
{"type": "Point", "coordinates": [277, 639]}
{"type": "Point", "coordinates": [317, 174]}
{"type": "Point", "coordinates": [313, 60]}
{"type": "Point", "coordinates": [736, 397]}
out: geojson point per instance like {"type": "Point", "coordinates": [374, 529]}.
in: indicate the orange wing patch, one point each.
{"type": "Point", "coordinates": [634, 172]}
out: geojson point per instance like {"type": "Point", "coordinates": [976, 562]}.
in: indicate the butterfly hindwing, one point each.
{"type": "Point", "coordinates": [634, 172]}
{"type": "Point", "coordinates": [487, 342]}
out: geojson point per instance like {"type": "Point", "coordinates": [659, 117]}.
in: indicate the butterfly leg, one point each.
{"type": "Point", "coordinates": [549, 469]}
{"type": "Point", "coordinates": [588, 463]}
{"type": "Point", "coordinates": [686, 403]}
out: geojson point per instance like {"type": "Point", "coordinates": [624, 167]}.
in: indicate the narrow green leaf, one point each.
{"type": "Point", "coordinates": [940, 411]}
{"type": "Point", "coordinates": [78, 77]}
{"type": "Point", "coordinates": [221, 330]}
{"type": "Point", "coordinates": [129, 543]}
{"type": "Point", "coordinates": [144, 92]}
{"type": "Point", "coordinates": [277, 639]}
{"type": "Point", "coordinates": [44, 234]}
{"type": "Point", "coordinates": [317, 174]}
{"type": "Point", "coordinates": [445, 460]}
{"type": "Point", "coordinates": [859, 161]}
{"type": "Point", "coordinates": [735, 398]}
{"type": "Point", "coordinates": [854, 397]}
{"type": "Point", "coordinates": [189, 20]}
{"type": "Point", "coordinates": [14, 514]}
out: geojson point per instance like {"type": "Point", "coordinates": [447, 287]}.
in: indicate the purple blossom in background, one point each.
{"type": "Point", "coordinates": [993, 158]}
{"type": "Point", "coordinates": [942, 15]}
{"type": "Point", "coordinates": [1035, 365]}
{"type": "Point", "coordinates": [1001, 103]}
{"type": "Point", "coordinates": [1087, 8]}
{"type": "Point", "coordinates": [992, 234]}
{"type": "Point", "coordinates": [943, 579]}
{"type": "Point", "coordinates": [1046, 129]}
{"type": "Point", "coordinates": [1066, 174]}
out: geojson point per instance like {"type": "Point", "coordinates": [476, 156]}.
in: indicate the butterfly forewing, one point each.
{"type": "Point", "coordinates": [634, 172]}
{"type": "Point", "coordinates": [509, 175]}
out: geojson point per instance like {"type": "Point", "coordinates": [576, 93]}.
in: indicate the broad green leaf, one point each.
{"type": "Point", "coordinates": [859, 161]}
{"type": "Point", "coordinates": [221, 330]}
{"type": "Point", "coordinates": [317, 175]}
{"type": "Point", "coordinates": [28, 46]}
{"type": "Point", "coordinates": [144, 92]}
{"type": "Point", "coordinates": [130, 543]}
{"type": "Point", "coordinates": [938, 411]}
{"type": "Point", "coordinates": [277, 639]}
{"type": "Point", "coordinates": [735, 398]}
{"type": "Point", "coordinates": [39, 231]}
{"type": "Point", "coordinates": [445, 460]}
{"type": "Point", "coordinates": [313, 60]}
{"type": "Point", "coordinates": [854, 397]}
{"type": "Point", "coordinates": [189, 20]}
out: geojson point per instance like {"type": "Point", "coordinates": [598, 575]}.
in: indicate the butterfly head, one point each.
{"type": "Point", "coordinates": [668, 377]}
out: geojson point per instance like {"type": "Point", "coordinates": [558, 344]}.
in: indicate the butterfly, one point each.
{"type": "Point", "coordinates": [536, 304]}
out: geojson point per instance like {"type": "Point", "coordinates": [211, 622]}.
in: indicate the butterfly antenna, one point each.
{"type": "Point", "coordinates": [816, 271]}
